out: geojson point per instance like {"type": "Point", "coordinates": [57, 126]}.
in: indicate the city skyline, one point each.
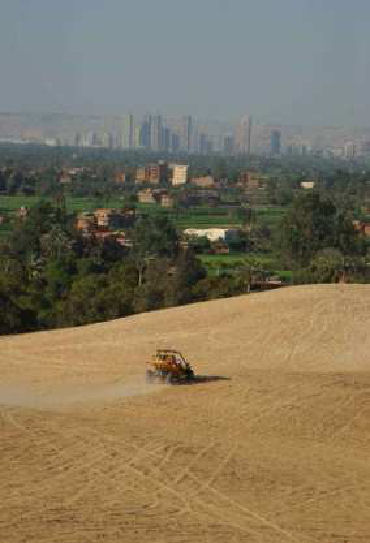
{"type": "Point", "coordinates": [183, 134]}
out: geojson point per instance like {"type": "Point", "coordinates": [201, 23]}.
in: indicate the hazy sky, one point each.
{"type": "Point", "coordinates": [290, 61]}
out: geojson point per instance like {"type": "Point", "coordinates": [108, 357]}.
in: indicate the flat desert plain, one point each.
{"type": "Point", "coordinates": [276, 452]}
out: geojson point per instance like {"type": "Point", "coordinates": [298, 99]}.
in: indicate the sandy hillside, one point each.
{"type": "Point", "coordinates": [278, 452]}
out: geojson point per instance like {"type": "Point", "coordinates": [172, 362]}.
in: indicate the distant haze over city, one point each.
{"type": "Point", "coordinates": [174, 134]}
{"type": "Point", "coordinates": [288, 62]}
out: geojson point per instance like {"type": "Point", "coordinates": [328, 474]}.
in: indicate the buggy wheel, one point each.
{"type": "Point", "coordinates": [189, 375]}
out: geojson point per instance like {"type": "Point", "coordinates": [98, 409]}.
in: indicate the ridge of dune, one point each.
{"type": "Point", "coordinates": [306, 328]}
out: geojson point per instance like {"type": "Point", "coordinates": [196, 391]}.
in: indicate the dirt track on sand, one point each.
{"type": "Point", "coordinates": [280, 452]}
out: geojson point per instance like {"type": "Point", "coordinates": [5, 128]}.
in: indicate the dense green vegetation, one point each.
{"type": "Point", "coordinates": [51, 276]}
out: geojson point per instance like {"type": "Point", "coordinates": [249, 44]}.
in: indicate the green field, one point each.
{"type": "Point", "coordinates": [8, 204]}
{"type": "Point", "coordinates": [196, 217]}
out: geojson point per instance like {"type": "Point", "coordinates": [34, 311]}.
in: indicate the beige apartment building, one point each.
{"type": "Point", "coordinates": [178, 174]}
{"type": "Point", "coordinates": [151, 173]}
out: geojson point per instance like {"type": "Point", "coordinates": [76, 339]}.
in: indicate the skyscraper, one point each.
{"type": "Point", "coordinates": [350, 150]}
{"type": "Point", "coordinates": [205, 145]}
{"type": "Point", "coordinates": [188, 132]}
{"type": "Point", "coordinates": [166, 139]}
{"type": "Point", "coordinates": [275, 142]}
{"type": "Point", "coordinates": [243, 136]}
{"type": "Point", "coordinates": [156, 135]}
{"type": "Point", "coordinates": [249, 141]}
{"type": "Point", "coordinates": [146, 129]}
{"type": "Point", "coordinates": [175, 142]}
{"type": "Point", "coordinates": [128, 131]}
{"type": "Point", "coordinates": [131, 133]}
{"type": "Point", "coordinates": [228, 145]}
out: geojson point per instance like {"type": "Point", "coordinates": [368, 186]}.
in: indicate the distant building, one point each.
{"type": "Point", "coordinates": [128, 132]}
{"type": "Point", "coordinates": [145, 134]}
{"type": "Point", "coordinates": [137, 137]}
{"type": "Point", "coordinates": [107, 140]}
{"type": "Point", "coordinates": [243, 135]}
{"type": "Point", "coordinates": [166, 200]}
{"type": "Point", "coordinates": [275, 142]}
{"type": "Point", "coordinates": [188, 133]}
{"type": "Point", "coordinates": [146, 196]}
{"type": "Point", "coordinates": [178, 174]}
{"type": "Point", "coordinates": [365, 148]}
{"type": "Point", "coordinates": [156, 133]}
{"type": "Point", "coordinates": [308, 185]}
{"type": "Point", "coordinates": [213, 234]}
{"type": "Point", "coordinates": [85, 221]}
{"type": "Point", "coordinates": [206, 181]}
{"type": "Point", "coordinates": [228, 145]}
{"type": "Point", "coordinates": [22, 213]}
{"type": "Point", "coordinates": [205, 146]}
{"type": "Point", "coordinates": [51, 142]}
{"type": "Point", "coordinates": [120, 177]}
{"type": "Point", "coordinates": [74, 172]}
{"type": "Point", "coordinates": [151, 173]}
{"type": "Point", "coordinates": [103, 216]}
{"type": "Point", "coordinates": [220, 248]}
{"type": "Point", "coordinates": [350, 150]}
{"type": "Point", "coordinates": [111, 218]}
{"type": "Point", "coordinates": [166, 143]}
{"type": "Point", "coordinates": [363, 227]}
{"type": "Point", "coordinates": [175, 142]}
{"type": "Point", "coordinates": [78, 140]}
{"type": "Point", "coordinates": [65, 178]}
{"type": "Point", "coordinates": [251, 180]}
{"type": "Point", "coordinates": [140, 176]}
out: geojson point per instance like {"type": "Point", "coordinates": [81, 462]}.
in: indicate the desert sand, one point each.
{"type": "Point", "coordinates": [276, 451]}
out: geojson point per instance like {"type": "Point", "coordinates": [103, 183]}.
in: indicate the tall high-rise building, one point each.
{"type": "Point", "coordinates": [146, 129]}
{"type": "Point", "coordinates": [175, 142]}
{"type": "Point", "coordinates": [205, 144]}
{"type": "Point", "coordinates": [131, 134]}
{"type": "Point", "coordinates": [78, 140]}
{"type": "Point", "coordinates": [166, 139]}
{"type": "Point", "coordinates": [188, 133]}
{"type": "Point", "coordinates": [137, 137]}
{"type": "Point", "coordinates": [107, 140]}
{"type": "Point", "coordinates": [365, 148]}
{"type": "Point", "coordinates": [350, 150]}
{"type": "Point", "coordinates": [228, 146]}
{"type": "Point", "coordinates": [156, 135]}
{"type": "Point", "coordinates": [128, 132]}
{"type": "Point", "coordinates": [275, 142]}
{"type": "Point", "coordinates": [249, 141]}
{"type": "Point", "coordinates": [243, 135]}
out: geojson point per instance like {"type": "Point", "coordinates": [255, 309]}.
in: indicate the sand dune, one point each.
{"type": "Point", "coordinates": [277, 452]}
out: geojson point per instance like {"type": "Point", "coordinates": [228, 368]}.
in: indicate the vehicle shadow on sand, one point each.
{"type": "Point", "coordinates": [198, 379]}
